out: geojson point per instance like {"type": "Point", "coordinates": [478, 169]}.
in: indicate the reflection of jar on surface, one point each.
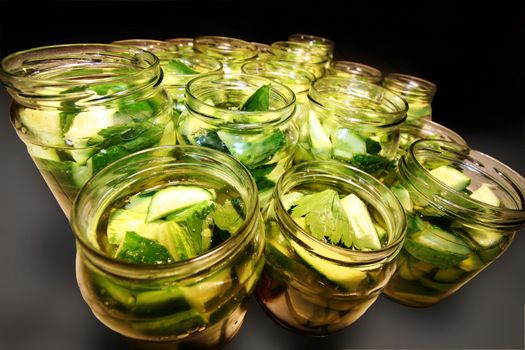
{"type": "Point", "coordinates": [297, 79]}
{"type": "Point", "coordinates": [355, 70]}
{"type": "Point", "coordinates": [262, 141]}
{"type": "Point", "coordinates": [302, 54]}
{"type": "Point", "coordinates": [352, 122]}
{"type": "Point", "coordinates": [460, 218]}
{"type": "Point", "coordinates": [178, 67]}
{"type": "Point", "coordinates": [314, 287]}
{"type": "Point", "coordinates": [318, 43]}
{"type": "Point", "coordinates": [231, 52]}
{"type": "Point", "coordinates": [198, 302]}
{"type": "Point", "coordinates": [418, 92]}
{"type": "Point", "coordinates": [80, 107]}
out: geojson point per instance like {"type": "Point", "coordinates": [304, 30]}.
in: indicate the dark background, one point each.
{"type": "Point", "coordinates": [476, 57]}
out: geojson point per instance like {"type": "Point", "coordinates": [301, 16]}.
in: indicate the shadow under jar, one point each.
{"type": "Point", "coordinates": [181, 280]}
{"type": "Point", "coordinates": [463, 209]}
{"type": "Point", "coordinates": [352, 122]}
{"type": "Point", "coordinates": [263, 141]}
{"type": "Point", "coordinates": [312, 283]}
{"type": "Point", "coordinates": [80, 107]}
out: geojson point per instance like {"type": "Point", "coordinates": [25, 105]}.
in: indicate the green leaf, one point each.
{"type": "Point", "coordinates": [194, 225]}
{"type": "Point", "coordinates": [372, 163]}
{"type": "Point", "coordinates": [211, 140]}
{"type": "Point", "coordinates": [372, 146]}
{"type": "Point", "coordinates": [68, 114]}
{"type": "Point", "coordinates": [259, 101]}
{"type": "Point", "coordinates": [259, 175]}
{"type": "Point", "coordinates": [324, 216]}
{"type": "Point", "coordinates": [106, 89]}
{"type": "Point", "coordinates": [227, 218]}
{"type": "Point", "coordinates": [178, 67]}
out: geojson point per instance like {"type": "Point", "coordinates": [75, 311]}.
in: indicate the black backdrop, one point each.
{"type": "Point", "coordinates": [475, 55]}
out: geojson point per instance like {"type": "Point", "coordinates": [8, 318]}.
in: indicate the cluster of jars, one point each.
{"type": "Point", "coordinates": [329, 124]}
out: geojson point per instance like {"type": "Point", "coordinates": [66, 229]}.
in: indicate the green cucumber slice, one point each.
{"type": "Point", "coordinates": [403, 196]}
{"type": "Point", "coordinates": [173, 198]}
{"type": "Point", "coordinates": [345, 144]}
{"type": "Point", "coordinates": [346, 277]}
{"type": "Point", "coordinates": [363, 232]}
{"type": "Point", "coordinates": [321, 146]}
{"type": "Point", "coordinates": [136, 249]}
{"type": "Point", "coordinates": [451, 177]}
{"type": "Point", "coordinates": [486, 195]}
{"type": "Point", "coordinates": [121, 221]}
{"type": "Point", "coordinates": [437, 247]}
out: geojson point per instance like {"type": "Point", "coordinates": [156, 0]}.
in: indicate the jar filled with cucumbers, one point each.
{"type": "Point", "coordinates": [170, 246]}
{"type": "Point", "coordinates": [178, 67]}
{"type": "Point", "coordinates": [80, 107]}
{"type": "Point", "coordinates": [333, 233]}
{"type": "Point", "coordinates": [247, 116]}
{"type": "Point", "coordinates": [463, 209]}
{"type": "Point", "coordinates": [353, 122]}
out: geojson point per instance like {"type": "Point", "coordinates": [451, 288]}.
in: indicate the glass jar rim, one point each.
{"type": "Point", "coordinates": [185, 267]}
{"type": "Point", "coordinates": [151, 45]}
{"type": "Point", "coordinates": [410, 86]}
{"type": "Point", "coordinates": [297, 49]}
{"type": "Point", "coordinates": [457, 203]}
{"type": "Point", "coordinates": [279, 68]}
{"type": "Point", "coordinates": [247, 120]}
{"type": "Point", "coordinates": [423, 128]}
{"type": "Point", "coordinates": [313, 40]}
{"type": "Point", "coordinates": [223, 46]}
{"type": "Point", "coordinates": [14, 77]}
{"type": "Point", "coordinates": [358, 69]}
{"type": "Point", "coordinates": [320, 95]}
{"type": "Point", "coordinates": [178, 42]}
{"type": "Point", "coordinates": [338, 172]}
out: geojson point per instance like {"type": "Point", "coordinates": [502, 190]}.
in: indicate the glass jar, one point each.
{"type": "Point", "coordinates": [317, 288]}
{"type": "Point", "coordinates": [264, 142]}
{"type": "Point", "coordinates": [353, 122]}
{"type": "Point", "coordinates": [312, 58]}
{"type": "Point", "coordinates": [297, 79]}
{"type": "Point", "coordinates": [263, 50]}
{"type": "Point", "coordinates": [80, 107]}
{"type": "Point", "coordinates": [418, 92]}
{"type": "Point", "coordinates": [178, 67]}
{"type": "Point", "coordinates": [321, 44]}
{"type": "Point", "coordinates": [355, 70]}
{"type": "Point", "coordinates": [460, 219]}
{"type": "Point", "coordinates": [231, 52]}
{"type": "Point", "coordinates": [198, 302]}
{"type": "Point", "coordinates": [182, 44]}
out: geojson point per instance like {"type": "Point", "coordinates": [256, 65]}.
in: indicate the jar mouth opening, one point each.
{"type": "Point", "coordinates": [313, 40]}
{"type": "Point", "coordinates": [301, 52]}
{"type": "Point", "coordinates": [155, 46]}
{"type": "Point", "coordinates": [73, 65]}
{"type": "Point", "coordinates": [354, 101]}
{"type": "Point", "coordinates": [480, 168]}
{"type": "Point", "coordinates": [219, 167]}
{"type": "Point", "coordinates": [328, 174]}
{"type": "Point", "coordinates": [427, 129]}
{"type": "Point", "coordinates": [231, 49]}
{"type": "Point", "coordinates": [210, 97]}
{"type": "Point", "coordinates": [410, 86]}
{"type": "Point", "coordinates": [199, 63]}
{"type": "Point", "coordinates": [358, 70]}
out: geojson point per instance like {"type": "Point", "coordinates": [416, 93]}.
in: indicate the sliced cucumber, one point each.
{"type": "Point", "coordinates": [451, 177]}
{"type": "Point", "coordinates": [452, 274]}
{"type": "Point", "coordinates": [81, 174]}
{"type": "Point", "coordinates": [486, 195]}
{"type": "Point", "coordinates": [484, 238]}
{"type": "Point", "coordinates": [139, 204]}
{"type": "Point", "coordinates": [121, 221]}
{"type": "Point", "coordinates": [321, 146]}
{"type": "Point", "coordinates": [173, 237]}
{"type": "Point", "coordinates": [345, 144]}
{"type": "Point", "coordinates": [183, 214]}
{"type": "Point", "coordinates": [173, 198]}
{"type": "Point", "coordinates": [44, 125]}
{"type": "Point", "coordinates": [472, 263]}
{"type": "Point", "coordinates": [437, 247]}
{"type": "Point", "coordinates": [363, 232]}
{"type": "Point", "coordinates": [346, 277]}
{"type": "Point", "coordinates": [43, 152]}
{"type": "Point", "coordinates": [136, 249]}
{"type": "Point", "coordinates": [204, 292]}
{"type": "Point", "coordinates": [252, 150]}
{"type": "Point", "coordinates": [87, 125]}
{"type": "Point", "coordinates": [289, 199]}
{"type": "Point", "coordinates": [403, 196]}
